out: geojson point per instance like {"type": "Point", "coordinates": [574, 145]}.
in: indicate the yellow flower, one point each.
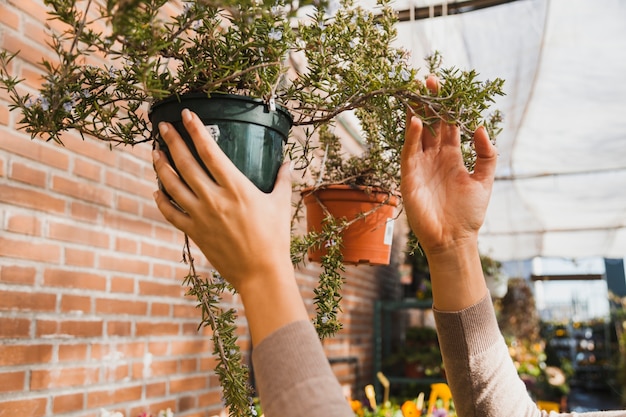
{"type": "Point", "coordinates": [409, 409]}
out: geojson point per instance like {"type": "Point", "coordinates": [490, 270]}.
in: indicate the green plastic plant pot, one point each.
{"type": "Point", "coordinates": [247, 130]}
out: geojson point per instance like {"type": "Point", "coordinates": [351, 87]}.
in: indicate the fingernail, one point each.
{"type": "Point", "coordinates": [163, 128]}
{"type": "Point", "coordinates": [186, 115]}
{"type": "Point", "coordinates": [155, 194]}
{"type": "Point", "coordinates": [156, 155]}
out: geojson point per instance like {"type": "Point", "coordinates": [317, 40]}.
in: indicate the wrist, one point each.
{"type": "Point", "coordinates": [456, 275]}
{"type": "Point", "coordinates": [271, 300]}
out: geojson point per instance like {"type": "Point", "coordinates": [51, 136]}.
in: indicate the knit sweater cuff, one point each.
{"type": "Point", "coordinates": [293, 376]}
{"type": "Point", "coordinates": [476, 325]}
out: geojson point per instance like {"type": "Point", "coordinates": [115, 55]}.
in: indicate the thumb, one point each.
{"type": "Point", "coordinates": [282, 186]}
{"type": "Point", "coordinates": [486, 154]}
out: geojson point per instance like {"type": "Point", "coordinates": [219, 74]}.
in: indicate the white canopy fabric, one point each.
{"type": "Point", "coordinates": [561, 180]}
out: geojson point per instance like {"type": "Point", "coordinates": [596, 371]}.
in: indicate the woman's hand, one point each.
{"type": "Point", "coordinates": [243, 232]}
{"type": "Point", "coordinates": [445, 203]}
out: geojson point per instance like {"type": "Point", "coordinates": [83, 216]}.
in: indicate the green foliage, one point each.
{"type": "Point", "coordinates": [115, 58]}
{"type": "Point", "coordinates": [232, 374]}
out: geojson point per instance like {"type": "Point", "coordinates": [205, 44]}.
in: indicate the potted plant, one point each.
{"type": "Point", "coordinates": [119, 67]}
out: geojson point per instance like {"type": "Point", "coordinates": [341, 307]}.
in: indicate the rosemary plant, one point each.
{"type": "Point", "coordinates": [111, 60]}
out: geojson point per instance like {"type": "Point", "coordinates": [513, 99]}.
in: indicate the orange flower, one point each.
{"type": "Point", "coordinates": [357, 407]}
{"type": "Point", "coordinates": [409, 409]}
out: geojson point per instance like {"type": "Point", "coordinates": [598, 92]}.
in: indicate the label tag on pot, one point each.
{"type": "Point", "coordinates": [389, 232]}
{"type": "Point", "coordinates": [214, 131]}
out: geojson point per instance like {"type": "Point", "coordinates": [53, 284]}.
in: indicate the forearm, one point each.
{"type": "Point", "coordinates": [456, 276]}
{"type": "Point", "coordinates": [272, 300]}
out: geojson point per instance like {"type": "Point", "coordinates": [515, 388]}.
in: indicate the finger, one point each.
{"type": "Point", "coordinates": [282, 187]}
{"type": "Point", "coordinates": [432, 83]}
{"type": "Point", "coordinates": [486, 154]}
{"type": "Point", "coordinates": [412, 141]}
{"type": "Point", "coordinates": [173, 215]}
{"type": "Point", "coordinates": [219, 165]}
{"type": "Point", "coordinates": [170, 180]}
{"type": "Point", "coordinates": [450, 135]}
{"type": "Point", "coordinates": [186, 164]}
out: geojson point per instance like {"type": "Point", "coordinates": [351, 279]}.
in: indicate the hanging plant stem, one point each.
{"type": "Point", "coordinates": [232, 373]}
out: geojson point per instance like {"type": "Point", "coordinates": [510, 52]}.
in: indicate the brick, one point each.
{"type": "Point", "coordinates": [17, 275]}
{"type": "Point", "coordinates": [82, 191]}
{"type": "Point", "coordinates": [160, 309]}
{"type": "Point", "coordinates": [9, 17]}
{"type": "Point", "coordinates": [128, 205]}
{"type": "Point", "coordinates": [84, 211]}
{"type": "Point", "coordinates": [157, 389]}
{"type": "Point", "coordinates": [128, 183]}
{"type": "Point", "coordinates": [2, 173]}
{"type": "Point", "coordinates": [156, 329]}
{"type": "Point", "coordinates": [36, 10]}
{"type": "Point", "coordinates": [187, 366]}
{"type": "Point", "coordinates": [29, 51]}
{"type": "Point", "coordinates": [129, 164]}
{"type": "Point", "coordinates": [15, 355]}
{"type": "Point", "coordinates": [28, 174]}
{"type": "Point", "coordinates": [71, 303]}
{"type": "Point", "coordinates": [27, 301]}
{"type": "Point", "coordinates": [93, 150]}
{"type": "Point", "coordinates": [12, 381]}
{"type": "Point", "coordinates": [34, 251]}
{"type": "Point", "coordinates": [79, 257]}
{"type": "Point", "coordinates": [112, 373]}
{"type": "Point", "coordinates": [4, 112]}
{"type": "Point", "coordinates": [76, 234]}
{"type": "Point", "coordinates": [108, 397]}
{"type": "Point", "coordinates": [157, 368]}
{"type": "Point", "coordinates": [187, 311]}
{"type": "Point", "coordinates": [24, 224]}
{"type": "Point", "coordinates": [122, 285]}
{"type": "Point", "coordinates": [128, 224]}
{"type": "Point", "coordinates": [69, 328]}
{"type": "Point", "coordinates": [119, 328]}
{"type": "Point", "coordinates": [85, 168]}
{"type": "Point", "coordinates": [191, 383]}
{"type": "Point", "coordinates": [67, 403]}
{"type": "Point", "coordinates": [123, 264]}
{"type": "Point", "coordinates": [46, 153]}
{"type": "Point", "coordinates": [72, 352]}
{"type": "Point", "coordinates": [21, 197]}
{"type": "Point", "coordinates": [14, 327]}
{"type": "Point", "coordinates": [44, 379]}
{"type": "Point", "coordinates": [31, 407]}
{"type": "Point", "coordinates": [160, 289]}
{"type": "Point", "coordinates": [126, 245]}
{"type": "Point", "coordinates": [160, 251]}
{"type": "Point", "coordinates": [117, 306]}
{"type": "Point", "coordinates": [73, 279]}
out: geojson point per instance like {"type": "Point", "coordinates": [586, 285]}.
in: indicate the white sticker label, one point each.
{"type": "Point", "coordinates": [214, 131]}
{"type": "Point", "coordinates": [389, 232]}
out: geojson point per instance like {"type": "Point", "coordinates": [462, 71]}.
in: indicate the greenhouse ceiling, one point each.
{"type": "Point", "coordinates": [561, 180]}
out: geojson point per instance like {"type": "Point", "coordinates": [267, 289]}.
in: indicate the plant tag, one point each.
{"type": "Point", "coordinates": [389, 232]}
{"type": "Point", "coordinates": [272, 104]}
{"type": "Point", "coordinates": [214, 131]}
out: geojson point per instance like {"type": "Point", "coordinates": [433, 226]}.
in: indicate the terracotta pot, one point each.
{"type": "Point", "coordinates": [367, 240]}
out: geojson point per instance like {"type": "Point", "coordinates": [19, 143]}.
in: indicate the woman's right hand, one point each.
{"type": "Point", "coordinates": [445, 203]}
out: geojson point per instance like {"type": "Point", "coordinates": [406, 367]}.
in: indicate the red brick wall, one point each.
{"type": "Point", "coordinates": [92, 312]}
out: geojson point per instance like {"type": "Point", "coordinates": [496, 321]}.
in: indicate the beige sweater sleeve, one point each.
{"type": "Point", "coordinates": [480, 372]}
{"type": "Point", "coordinates": [293, 376]}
